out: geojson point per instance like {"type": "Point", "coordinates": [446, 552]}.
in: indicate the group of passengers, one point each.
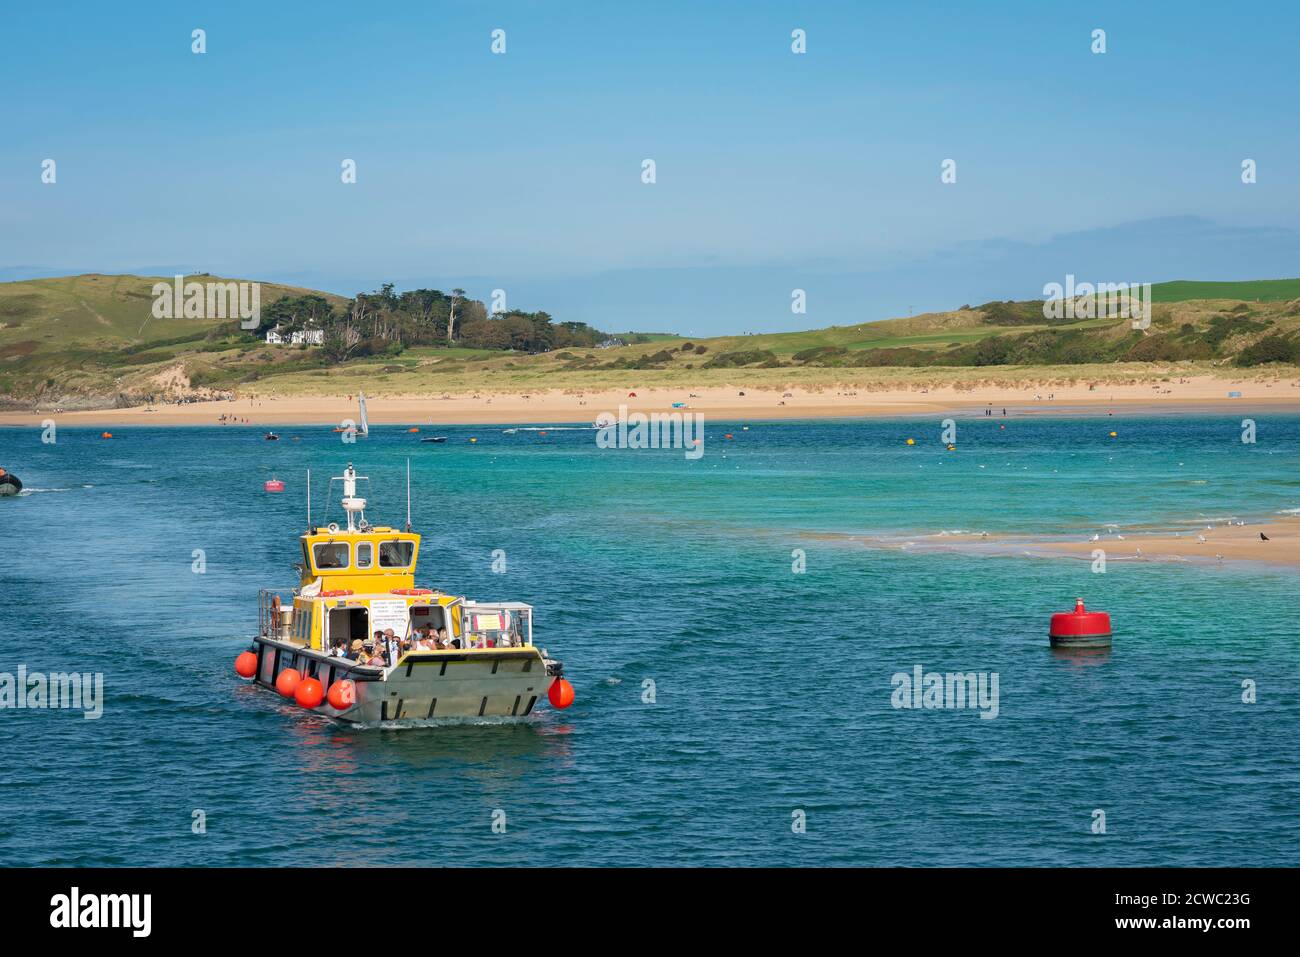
{"type": "Point", "coordinates": [383, 648]}
{"type": "Point", "coordinates": [427, 638]}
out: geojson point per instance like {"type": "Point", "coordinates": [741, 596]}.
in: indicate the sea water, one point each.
{"type": "Point", "coordinates": [730, 625]}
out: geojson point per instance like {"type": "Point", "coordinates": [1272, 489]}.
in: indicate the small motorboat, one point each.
{"type": "Point", "coordinates": [436, 438]}
{"type": "Point", "coordinates": [10, 484]}
{"type": "Point", "coordinates": [271, 437]}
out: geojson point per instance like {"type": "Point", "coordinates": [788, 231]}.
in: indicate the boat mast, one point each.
{"type": "Point", "coordinates": [353, 506]}
{"type": "Point", "coordinates": [408, 494]}
{"type": "Point", "coordinates": [309, 501]}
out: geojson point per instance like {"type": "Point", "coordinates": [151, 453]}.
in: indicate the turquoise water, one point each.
{"type": "Point", "coordinates": [772, 689]}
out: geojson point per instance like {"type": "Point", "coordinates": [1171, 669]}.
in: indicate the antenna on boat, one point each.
{"type": "Point", "coordinates": [408, 494]}
{"type": "Point", "coordinates": [309, 501]}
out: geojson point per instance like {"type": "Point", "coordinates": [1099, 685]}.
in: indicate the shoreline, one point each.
{"type": "Point", "coordinates": [1194, 396]}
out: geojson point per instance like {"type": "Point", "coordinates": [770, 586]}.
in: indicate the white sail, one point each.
{"type": "Point", "coordinates": [364, 427]}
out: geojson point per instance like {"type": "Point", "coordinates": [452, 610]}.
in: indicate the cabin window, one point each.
{"type": "Point", "coordinates": [427, 615]}
{"type": "Point", "coordinates": [395, 554]}
{"type": "Point", "coordinates": [331, 555]}
{"type": "Point", "coordinates": [498, 628]}
{"type": "Point", "coordinates": [365, 555]}
{"type": "Point", "coordinates": [302, 623]}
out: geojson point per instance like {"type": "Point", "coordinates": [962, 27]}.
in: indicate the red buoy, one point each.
{"type": "Point", "coordinates": [246, 664]}
{"type": "Point", "coordinates": [273, 485]}
{"type": "Point", "coordinates": [560, 693]}
{"type": "Point", "coordinates": [288, 681]}
{"type": "Point", "coordinates": [343, 694]}
{"type": "Point", "coordinates": [1080, 628]}
{"type": "Point", "coordinates": [309, 693]}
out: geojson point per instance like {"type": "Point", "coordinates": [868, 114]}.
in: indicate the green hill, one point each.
{"type": "Point", "coordinates": [97, 312]}
{"type": "Point", "coordinates": [91, 341]}
{"type": "Point", "coordinates": [95, 336]}
{"type": "Point", "coordinates": [1255, 290]}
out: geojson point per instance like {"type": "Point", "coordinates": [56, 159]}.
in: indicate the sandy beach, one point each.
{"type": "Point", "coordinates": [1192, 394]}
{"type": "Point", "coordinates": [1202, 543]}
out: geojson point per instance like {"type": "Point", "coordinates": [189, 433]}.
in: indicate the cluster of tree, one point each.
{"type": "Point", "coordinates": [386, 321]}
{"type": "Point", "coordinates": [527, 332]}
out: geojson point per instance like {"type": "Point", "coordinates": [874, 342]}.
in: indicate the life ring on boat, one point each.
{"type": "Point", "coordinates": [411, 591]}
{"type": "Point", "coordinates": [336, 593]}
{"type": "Point", "coordinates": [333, 526]}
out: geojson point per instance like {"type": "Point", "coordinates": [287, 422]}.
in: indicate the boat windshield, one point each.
{"type": "Point", "coordinates": [395, 554]}
{"type": "Point", "coordinates": [331, 554]}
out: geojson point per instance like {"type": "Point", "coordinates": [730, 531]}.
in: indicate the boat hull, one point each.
{"type": "Point", "coordinates": [475, 683]}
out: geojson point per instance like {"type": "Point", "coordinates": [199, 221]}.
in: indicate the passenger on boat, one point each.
{"type": "Point", "coordinates": [391, 644]}
{"type": "Point", "coordinates": [356, 650]}
{"type": "Point", "coordinates": [338, 648]}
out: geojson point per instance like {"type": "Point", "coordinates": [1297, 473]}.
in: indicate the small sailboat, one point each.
{"type": "Point", "coordinates": [364, 427]}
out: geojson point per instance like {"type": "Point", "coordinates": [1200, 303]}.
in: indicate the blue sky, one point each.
{"type": "Point", "coordinates": [774, 170]}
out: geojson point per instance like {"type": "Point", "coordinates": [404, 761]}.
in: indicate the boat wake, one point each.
{"type": "Point", "coordinates": [34, 491]}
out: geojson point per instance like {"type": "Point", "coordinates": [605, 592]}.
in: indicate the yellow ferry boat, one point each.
{"type": "Point", "coordinates": [359, 641]}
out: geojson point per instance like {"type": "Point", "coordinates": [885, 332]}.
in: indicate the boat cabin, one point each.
{"type": "Point", "coordinates": [357, 580]}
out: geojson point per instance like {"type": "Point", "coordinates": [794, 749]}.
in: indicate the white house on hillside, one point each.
{"type": "Point", "coordinates": [311, 337]}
